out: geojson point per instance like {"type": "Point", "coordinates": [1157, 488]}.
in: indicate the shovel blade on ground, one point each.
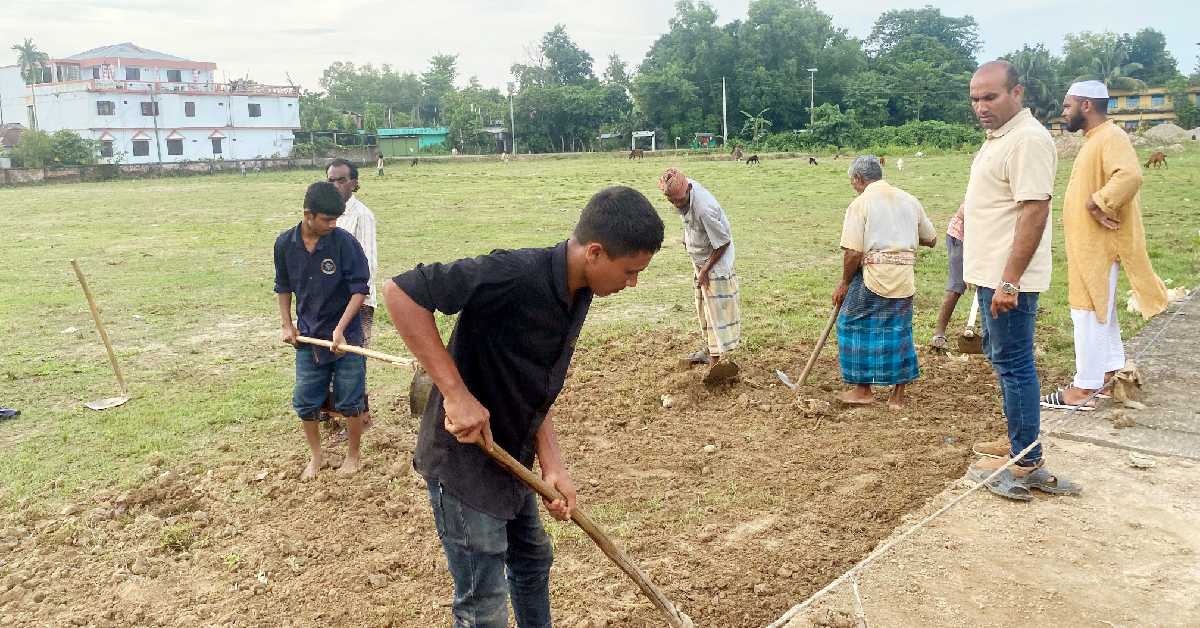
{"type": "Point", "coordinates": [970, 342]}
{"type": "Point", "coordinates": [105, 404]}
{"type": "Point", "coordinates": [787, 381]}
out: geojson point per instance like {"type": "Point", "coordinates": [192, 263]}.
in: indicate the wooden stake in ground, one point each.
{"type": "Point", "coordinates": [820, 344]}
{"type": "Point", "coordinates": [673, 616]}
{"type": "Point", "coordinates": [111, 402]}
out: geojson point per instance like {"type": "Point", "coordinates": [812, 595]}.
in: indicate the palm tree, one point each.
{"type": "Point", "coordinates": [1110, 67]}
{"type": "Point", "coordinates": [33, 64]}
{"type": "Point", "coordinates": [1039, 76]}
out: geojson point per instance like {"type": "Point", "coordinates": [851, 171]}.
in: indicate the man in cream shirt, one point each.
{"type": "Point", "coordinates": [1006, 253]}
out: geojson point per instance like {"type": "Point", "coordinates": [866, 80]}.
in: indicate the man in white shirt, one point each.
{"type": "Point", "coordinates": [709, 243]}
{"type": "Point", "coordinates": [360, 222]}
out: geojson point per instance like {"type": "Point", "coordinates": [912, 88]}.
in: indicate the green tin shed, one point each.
{"type": "Point", "coordinates": [408, 141]}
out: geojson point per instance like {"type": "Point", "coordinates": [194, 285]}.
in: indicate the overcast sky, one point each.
{"type": "Point", "coordinates": [268, 40]}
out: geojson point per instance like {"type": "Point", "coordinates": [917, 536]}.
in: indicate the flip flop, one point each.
{"type": "Point", "coordinates": [1047, 482]}
{"type": "Point", "coordinates": [1004, 485]}
{"type": "Point", "coordinates": [1055, 401]}
{"type": "Point", "coordinates": [938, 343]}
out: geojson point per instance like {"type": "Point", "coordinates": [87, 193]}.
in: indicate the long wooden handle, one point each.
{"type": "Point", "coordinates": [112, 356]}
{"type": "Point", "coordinates": [820, 344]}
{"type": "Point", "coordinates": [392, 359]}
{"type": "Point", "coordinates": [974, 311]}
{"type": "Point", "coordinates": [672, 615]}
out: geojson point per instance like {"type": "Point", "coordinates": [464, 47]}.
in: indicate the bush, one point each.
{"type": "Point", "coordinates": [34, 151]}
{"type": "Point", "coordinates": [885, 140]}
{"type": "Point", "coordinates": [69, 149]}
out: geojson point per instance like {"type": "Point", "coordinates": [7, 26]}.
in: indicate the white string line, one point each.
{"type": "Point", "coordinates": [792, 612]}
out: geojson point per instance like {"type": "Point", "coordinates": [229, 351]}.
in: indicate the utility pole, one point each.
{"type": "Point", "coordinates": [512, 120]}
{"type": "Point", "coordinates": [724, 119]}
{"type": "Point", "coordinates": [812, 94]}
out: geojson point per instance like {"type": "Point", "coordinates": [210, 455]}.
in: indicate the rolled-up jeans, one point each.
{"type": "Point", "coordinates": [1008, 344]}
{"type": "Point", "coordinates": [492, 559]}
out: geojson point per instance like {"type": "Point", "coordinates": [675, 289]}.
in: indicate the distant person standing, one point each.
{"type": "Point", "coordinates": [379, 166]}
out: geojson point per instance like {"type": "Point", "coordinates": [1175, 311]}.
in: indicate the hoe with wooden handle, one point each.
{"type": "Point", "coordinates": [673, 616]}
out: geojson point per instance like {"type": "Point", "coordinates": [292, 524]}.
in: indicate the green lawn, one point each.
{"type": "Point", "coordinates": [182, 269]}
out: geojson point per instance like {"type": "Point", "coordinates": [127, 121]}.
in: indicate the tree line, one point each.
{"type": "Point", "coordinates": [914, 66]}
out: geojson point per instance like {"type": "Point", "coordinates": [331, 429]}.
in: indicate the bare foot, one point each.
{"type": "Point", "coordinates": [349, 466]}
{"type": "Point", "coordinates": [310, 471]}
{"type": "Point", "coordinates": [857, 397]}
{"type": "Point", "coordinates": [896, 400]}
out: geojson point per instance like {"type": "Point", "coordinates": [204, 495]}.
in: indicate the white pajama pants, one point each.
{"type": "Point", "coordinates": [1098, 347]}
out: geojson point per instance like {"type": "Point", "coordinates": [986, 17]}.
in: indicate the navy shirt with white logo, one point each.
{"type": "Point", "coordinates": [323, 282]}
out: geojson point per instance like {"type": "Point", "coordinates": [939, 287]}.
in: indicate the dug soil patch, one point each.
{"type": "Point", "coordinates": [737, 500]}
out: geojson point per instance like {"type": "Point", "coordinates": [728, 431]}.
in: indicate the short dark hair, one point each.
{"type": "Point", "coordinates": [622, 220]}
{"type": "Point", "coordinates": [323, 197]}
{"type": "Point", "coordinates": [347, 163]}
{"type": "Point", "coordinates": [1100, 105]}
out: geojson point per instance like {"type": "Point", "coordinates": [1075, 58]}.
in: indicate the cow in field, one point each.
{"type": "Point", "coordinates": [637, 153]}
{"type": "Point", "coordinates": [812, 161]}
{"type": "Point", "coordinates": [753, 160]}
{"type": "Point", "coordinates": [1157, 159]}
{"type": "Point", "coordinates": [737, 153]}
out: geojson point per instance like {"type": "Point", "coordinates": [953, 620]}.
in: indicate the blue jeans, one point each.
{"type": "Point", "coordinates": [491, 559]}
{"type": "Point", "coordinates": [346, 377]}
{"type": "Point", "coordinates": [1008, 344]}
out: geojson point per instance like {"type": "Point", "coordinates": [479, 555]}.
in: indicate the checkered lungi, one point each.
{"type": "Point", "coordinates": [875, 342]}
{"type": "Point", "coordinates": [720, 314]}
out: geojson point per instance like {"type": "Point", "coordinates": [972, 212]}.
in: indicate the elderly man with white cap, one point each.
{"type": "Point", "coordinates": [1102, 227]}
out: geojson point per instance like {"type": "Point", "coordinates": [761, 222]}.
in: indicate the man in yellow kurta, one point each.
{"type": "Point", "coordinates": [1102, 226]}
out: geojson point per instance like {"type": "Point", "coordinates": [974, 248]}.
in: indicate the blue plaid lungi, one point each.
{"type": "Point", "coordinates": [875, 342]}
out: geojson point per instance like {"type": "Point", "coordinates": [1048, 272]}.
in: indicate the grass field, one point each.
{"type": "Point", "coordinates": [182, 269]}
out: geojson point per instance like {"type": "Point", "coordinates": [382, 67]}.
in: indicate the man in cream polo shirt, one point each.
{"type": "Point", "coordinates": [1006, 253]}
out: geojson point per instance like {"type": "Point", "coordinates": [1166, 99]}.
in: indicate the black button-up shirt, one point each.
{"type": "Point", "coordinates": [323, 282]}
{"type": "Point", "coordinates": [512, 344]}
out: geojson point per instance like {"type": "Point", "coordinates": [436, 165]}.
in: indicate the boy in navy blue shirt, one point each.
{"type": "Point", "coordinates": [326, 268]}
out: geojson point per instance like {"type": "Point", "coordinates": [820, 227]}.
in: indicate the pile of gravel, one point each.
{"type": "Point", "coordinates": [1168, 134]}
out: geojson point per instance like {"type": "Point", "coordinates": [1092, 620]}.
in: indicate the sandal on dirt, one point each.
{"type": "Point", "coordinates": [1055, 401]}
{"type": "Point", "coordinates": [1047, 482]}
{"type": "Point", "coordinates": [938, 343]}
{"type": "Point", "coordinates": [1004, 485]}
{"type": "Point", "coordinates": [721, 372]}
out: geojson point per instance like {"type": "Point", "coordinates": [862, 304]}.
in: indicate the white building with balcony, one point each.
{"type": "Point", "coordinates": [145, 106]}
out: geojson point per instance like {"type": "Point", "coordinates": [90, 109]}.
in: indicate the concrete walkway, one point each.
{"type": "Point", "coordinates": [1125, 553]}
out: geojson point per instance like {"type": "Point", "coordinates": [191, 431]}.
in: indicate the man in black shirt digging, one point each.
{"type": "Point", "coordinates": [520, 313]}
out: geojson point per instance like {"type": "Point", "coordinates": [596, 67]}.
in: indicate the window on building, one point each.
{"type": "Point", "coordinates": [133, 74]}
{"type": "Point", "coordinates": [149, 108]}
{"type": "Point", "coordinates": [174, 147]}
{"type": "Point", "coordinates": [106, 149]}
{"type": "Point", "coordinates": [174, 76]}
{"type": "Point", "coordinates": [141, 148]}
{"type": "Point", "coordinates": [1158, 100]}
{"type": "Point", "coordinates": [106, 108]}
{"type": "Point", "coordinates": [216, 142]}
{"type": "Point", "coordinates": [255, 110]}
{"type": "Point", "coordinates": [1112, 103]}
{"type": "Point", "coordinates": [189, 109]}
{"type": "Point", "coordinates": [95, 71]}
{"type": "Point", "coordinates": [1133, 102]}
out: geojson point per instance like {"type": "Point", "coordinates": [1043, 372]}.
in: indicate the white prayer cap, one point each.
{"type": "Point", "coordinates": [1088, 89]}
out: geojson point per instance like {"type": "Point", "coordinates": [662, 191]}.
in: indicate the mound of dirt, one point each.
{"type": "Point", "coordinates": [1167, 134]}
{"type": "Point", "coordinates": [736, 500]}
{"type": "Point", "coordinates": [1068, 144]}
